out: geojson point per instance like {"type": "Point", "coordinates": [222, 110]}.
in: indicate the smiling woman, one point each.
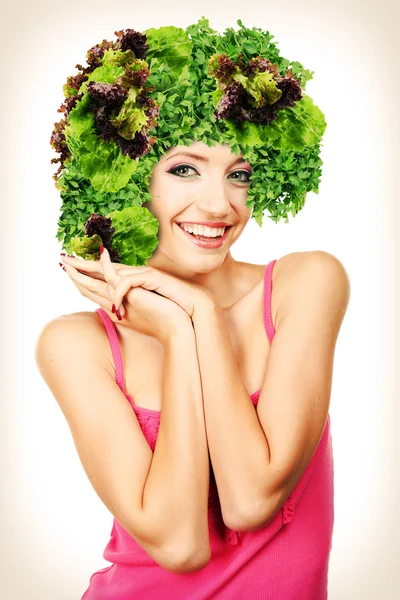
{"type": "Point", "coordinates": [216, 490]}
{"type": "Point", "coordinates": [201, 214]}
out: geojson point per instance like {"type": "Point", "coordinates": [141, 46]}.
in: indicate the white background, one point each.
{"type": "Point", "coordinates": [53, 525]}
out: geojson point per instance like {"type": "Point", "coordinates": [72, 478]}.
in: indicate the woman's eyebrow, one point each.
{"type": "Point", "coordinates": [203, 158]}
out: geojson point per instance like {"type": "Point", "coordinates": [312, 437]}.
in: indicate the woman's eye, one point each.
{"type": "Point", "coordinates": [243, 173]}
{"type": "Point", "coordinates": [175, 170]}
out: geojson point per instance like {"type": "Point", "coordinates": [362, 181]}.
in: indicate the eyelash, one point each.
{"type": "Point", "coordinates": [172, 171]}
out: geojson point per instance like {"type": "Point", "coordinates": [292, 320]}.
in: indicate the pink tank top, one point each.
{"type": "Point", "coordinates": [287, 560]}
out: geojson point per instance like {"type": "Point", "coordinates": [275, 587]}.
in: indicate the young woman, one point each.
{"type": "Point", "coordinates": [201, 416]}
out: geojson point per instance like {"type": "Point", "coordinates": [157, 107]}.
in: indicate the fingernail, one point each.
{"type": "Point", "coordinates": [101, 249]}
{"type": "Point", "coordinates": [113, 308]}
{"type": "Point", "coordinates": [61, 265]}
{"type": "Point", "coordinates": [118, 315]}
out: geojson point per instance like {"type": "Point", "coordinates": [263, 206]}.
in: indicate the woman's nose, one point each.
{"type": "Point", "coordinates": [214, 200]}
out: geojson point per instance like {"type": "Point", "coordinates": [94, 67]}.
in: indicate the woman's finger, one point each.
{"type": "Point", "coordinates": [94, 286]}
{"type": "Point", "coordinates": [110, 274]}
{"type": "Point", "coordinates": [92, 267]}
{"type": "Point", "coordinates": [100, 300]}
{"type": "Point", "coordinates": [99, 292]}
{"type": "Point", "coordinates": [140, 279]}
{"type": "Point", "coordinates": [130, 270]}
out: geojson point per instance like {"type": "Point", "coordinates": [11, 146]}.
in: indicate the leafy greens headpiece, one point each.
{"type": "Point", "coordinates": [146, 92]}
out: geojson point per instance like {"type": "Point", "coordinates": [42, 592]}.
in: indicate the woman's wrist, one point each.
{"type": "Point", "coordinates": [181, 330]}
{"type": "Point", "coordinates": [204, 305]}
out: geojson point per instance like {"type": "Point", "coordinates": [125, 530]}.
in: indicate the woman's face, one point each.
{"type": "Point", "coordinates": [209, 187]}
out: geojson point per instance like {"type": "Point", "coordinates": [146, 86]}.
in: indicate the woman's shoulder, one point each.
{"type": "Point", "coordinates": [76, 336]}
{"type": "Point", "coordinates": [305, 262]}
{"type": "Point", "coordinates": [285, 263]}
{"type": "Point", "coordinates": [78, 328]}
{"type": "Point", "coordinates": [316, 272]}
{"type": "Point", "coordinates": [294, 270]}
{"type": "Point", "coordinates": [85, 319]}
{"type": "Point", "coordinates": [282, 269]}
{"type": "Point", "coordinates": [285, 275]}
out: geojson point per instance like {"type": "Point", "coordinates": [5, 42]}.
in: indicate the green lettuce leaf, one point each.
{"type": "Point", "coordinates": [170, 45]}
{"type": "Point", "coordinates": [101, 162]}
{"type": "Point", "coordinates": [135, 234]}
{"type": "Point", "coordinates": [130, 118]}
{"type": "Point", "coordinates": [107, 72]}
{"type": "Point", "coordinates": [261, 87]}
{"type": "Point", "coordinates": [86, 247]}
{"type": "Point", "coordinates": [297, 127]}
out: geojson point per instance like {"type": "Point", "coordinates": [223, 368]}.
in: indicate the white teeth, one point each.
{"type": "Point", "coordinates": [204, 230]}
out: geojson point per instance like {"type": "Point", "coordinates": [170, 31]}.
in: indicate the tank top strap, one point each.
{"type": "Point", "coordinates": [269, 326]}
{"type": "Point", "coordinates": [115, 347]}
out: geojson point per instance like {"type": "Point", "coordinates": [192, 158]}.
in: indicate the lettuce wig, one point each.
{"type": "Point", "coordinates": [147, 91]}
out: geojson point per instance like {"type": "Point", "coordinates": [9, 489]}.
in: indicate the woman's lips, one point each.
{"type": "Point", "coordinates": [211, 243]}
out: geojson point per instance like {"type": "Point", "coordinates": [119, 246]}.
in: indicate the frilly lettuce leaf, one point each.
{"type": "Point", "coordinates": [135, 234]}
{"type": "Point", "coordinates": [296, 128]}
{"type": "Point", "coordinates": [170, 45]}
{"type": "Point", "coordinates": [101, 162]}
{"type": "Point", "coordinates": [261, 87]}
{"type": "Point", "coordinates": [86, 247]}
{"type": "Point", "coordinates": [130, 118]}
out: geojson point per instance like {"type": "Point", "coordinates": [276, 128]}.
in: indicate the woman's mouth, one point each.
{"type": "Point", "coordinates": [206, 242]}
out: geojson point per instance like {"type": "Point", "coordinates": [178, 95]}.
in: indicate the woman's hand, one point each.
{"type": "Point", "coordinates": [155, 302]}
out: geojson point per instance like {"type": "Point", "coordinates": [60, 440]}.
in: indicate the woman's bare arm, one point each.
{"type": "Point", "coordinates": [258, 456]}
{"type": "Point", "coordinates": [160, 499]}
{"type": "Point", "coordinates": [177, 486]}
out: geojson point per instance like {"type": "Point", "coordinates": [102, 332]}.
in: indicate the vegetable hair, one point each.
{"type": "Point", "coordinates": [146, 92]}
